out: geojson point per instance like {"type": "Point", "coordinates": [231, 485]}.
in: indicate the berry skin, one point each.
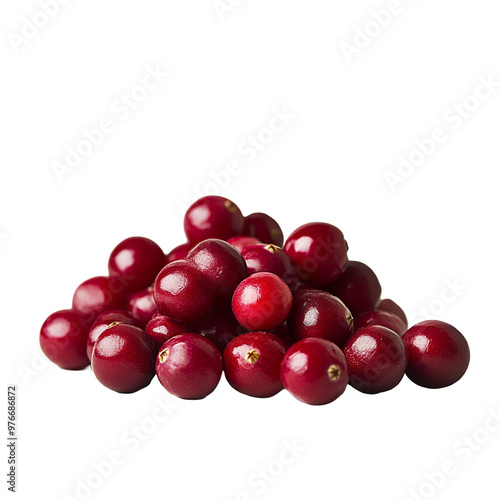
{"type": "Point", "coordinates": [263, 227]}
{"type": "Point", "coordinates": [123, 358]}
{"type": "Point", "coordinates": [357, 287]}
{"type": "Point", "coordinates": [261, 302]}
{"type": "Point", "coordinates": [377, 359]}
{"type": "Point", "coordinates": [213, 217]}
{"type": "Point", "coordinates": [160, 329]}
{"type": "Point", "coordinates": [103, 321]}
{"type": "Point", "coordinates": [178, 253]}
{"type": "Point", "coordinates": [136, 261]}
{"type": "Point", "coordinates": [380, 318]}
{"type": "Point", "coordinates": [252, 364]}
{"type": "Point", "coordinates": [97, 295]}
{"type": "Point", "coordinates": [184, 293]}
{"type": "Point", "coordinates": [439, 354]}
{"type": "Point", "coordinates": [142, 306]}
{"type": "Point", "coordinates": [389, 305]}
{"type": "Point", "coordinates": [241, 242]}
{"type": "Point", "coordinates": [189, 366]}
{"type": "Point", "coordinates": [63, 339]}
{"type": "Point", "coordinates": [321, 315]}
{"type": "Point", "coordinates": [221, 264]}
{"type": "Point", "coordinates": [319, 251]}
{"type": "Point", "coordinates": [314, 371]}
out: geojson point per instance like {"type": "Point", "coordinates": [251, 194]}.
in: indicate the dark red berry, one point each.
{"type": "Point", "coordinates": [263, 227]}
{"type": "Point", "coordinates": [178, 253]}
{"type": "Point", "coordinates": [213, 217]}
{"type": "Point", "coordinates": [123, 358]}
{"type": "Point", "coordinates": [321, 315]}
{"type": "Point", "coordinates": [314, 371]}
{"type": "Point", "coordinates": [142, 306]}
{"type": "Point", "coordinates": [252, 364]}
{"type": "Point", "coordinates": [241, 242]}
{"type": "Point", "coordinates": [183, 292]}
{"type": "Point", "coordinates": [389, 305]}
{"type": "Point", "coordinates": [161, 328]}
{"type": "Point", "coordinates": [357, 287]}
{"type": "Point", "coordinates": [439, 354]}
{"type": "Point", "coordinates": [380, 318]}
{"type": "Point", "coordinates": [283, 332]}
{"type": "Point", "coordinates": [377, 359]}
{"type": "Point", "coordinates": [136, 261]}
{"type": "Point", "coordinates": [63, 339]}
{"type": "Point", "coordinates": [261, 302]}
{"type": "Point", "coordinates": [319, 251]}
{"type": "Point", "coordinates": [189, 366]}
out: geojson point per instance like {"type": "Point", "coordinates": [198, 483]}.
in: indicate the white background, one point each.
{"type": "Point", "coordinates": [434, 235]}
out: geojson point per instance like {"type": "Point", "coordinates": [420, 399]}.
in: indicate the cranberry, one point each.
{"type": "Point", "coordinates": [103, 321]}
{"type": "Point", "coordinates": [213, 217]}
{"type": "Point", "coordinates": [314, 371]}
{"type": "Point", "coordinates": [123, 358]}
{"type": "Point", "coordinates": [136, 261]}
{"type": "Point", "coordinates": [178, 253]}
{"type": "Point", "coordinates": [357, 287]}
{"type": "Point", "coordinates": [161, 328]}
{"type": "Point", "coordinates": [220, 326]}
{"type": "Point", "coordinates": [319, 314]}
{"type": "Point", "coordinates": [319, 251]}
{"type": "Point", "coordinates": [389, 305]}
{"type": "Point", "coordinates": [189, 366]}
{"type": "Point", "coordinates": [221, 263]}
{"type": "Point", "coordinates": [262, 302]}
{"type": "Point", "coordinates": [380, 318]}
{"type": "Point", "coordinates": [263, 227]}
{"type": "Point", "coordinates": [439, 354]}
{"type": "Point", "coordinates": [142, 306]}
{"type": "Point", "coordinates": [283, 332]}
{"type": "Point", "coordinates": [252, 364]}
{"type": "Point", "coordinates": [63, 339]}
{"type": "Point", "coordinates": [241, 242]}
{"type": "Point", "coordinates": [377, 359]}
{"type": "Point", "coordinates": [183, 292]}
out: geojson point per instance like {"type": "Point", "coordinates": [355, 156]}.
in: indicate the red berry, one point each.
{"type": "Point", "coordinates": [380, 318]}
{"type": "Point", "coordinates": [314, 371]}
{"type": "Point", "coordinates": [123, 358]}
{"type": "Point", "coordinates": [261, 302]}
{"type": "Point", "coordinates": [263, 227]}
{"type": "Point", "coordinates": [63, 339]}
{"type": "Point", "coordinates": [241, 242]}
{"type": "Point", "coordinates": [439, 354]}
{"type": "Point", "coordinates": [136, 261]}
{"type": "Point", "coordinates": [252, 364]}
{"type": "Point", "coordinates": [377, 359]}
{"type": "Point", "coordinates": [189, 366]}
{"type": "Point", "coordinates": [142, 306]}
{"type": "Point", "coordinates": [213, 217]}
{"type": "Point", "coordinates": [319, 251]}
{"type": "Point", "coordinates": [161, 328]}
{"type": "Point", "coordinates": [389, 305]}
{"type": "Point", "coordinates": [178, 253]}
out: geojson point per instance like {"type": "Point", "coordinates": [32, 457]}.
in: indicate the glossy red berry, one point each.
{"type": "Point", "coordinates": [136, 261]}
{"type": "Point", "coordinates": [314, 371]}
{"type": "Point", "coordinates": [252, 364]}
{"type": "Point", "coordinates": [123, 358]}
{"type": "Point", "coordinates": [183, 292]}
{"type": "Point", "coordinates": [321, 315]}
{"type": "Point", "coordinates": [377, 359]}
{"type": "Point", "coordinates": [221, 264]}
{"type": "Point", "coordinates": [439, 354]}
{"type": "Point", "coordinates": [319, 251]}
{"type": "Point", "coordinates": [161, 328]}
{"type": "Point", "coordinates": [389, 305]}
{"type": "Point", "coordinates": [357, 287]}
{"type": "Point", "coordinates": [97, 295]}
{"type": "Point", "coordinates": [189, 366]}
{"type": "Point", "coordinates": [213, 217]}
{"type": "Point", "coordinates": [261, 302]}
{"type": "Point", "coordinates": [63, 339]}
{"type": "Point", "coordinates": [241, 242]}
{"type": "Point", "coordinates": [263, 227]}
{"type": "Point", "coordinates": [178, 253]}
{"type": "Point", "coordinates": [380, 318]}
{"type": "Point", "coordinates": [142, 306]}
{"type": "Point", "coordinates": [102, 323]}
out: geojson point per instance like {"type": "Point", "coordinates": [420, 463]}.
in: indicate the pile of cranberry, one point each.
{"type": "Point", "coordinates": [235, 299]}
